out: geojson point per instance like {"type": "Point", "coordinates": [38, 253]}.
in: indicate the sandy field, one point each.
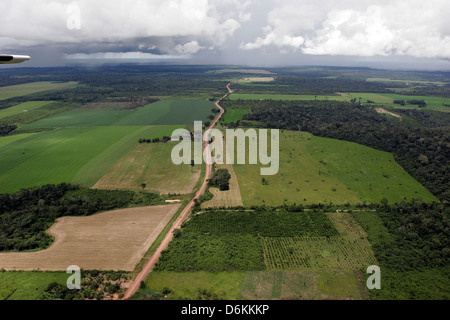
{"type": "Point", "coordinates": [114, 240]}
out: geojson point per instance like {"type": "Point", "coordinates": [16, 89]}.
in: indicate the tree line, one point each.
{"type": "Point", "coordinates": [27, 214]}
{"type": "Point", "coordinates": [423, 152]}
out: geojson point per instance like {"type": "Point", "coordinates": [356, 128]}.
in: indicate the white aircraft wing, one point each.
{"type": "Point", "coordinates": [13, 58]}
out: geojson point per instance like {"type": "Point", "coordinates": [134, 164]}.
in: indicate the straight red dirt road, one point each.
{"type": "Point", "coordinates": [183, 215]}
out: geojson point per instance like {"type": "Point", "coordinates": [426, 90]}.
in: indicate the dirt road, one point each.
{"type": "Point", "coordinates": [177, 224]}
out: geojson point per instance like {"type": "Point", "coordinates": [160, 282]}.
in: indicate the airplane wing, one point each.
{"type": "Point", "coordinates": [13, 58]}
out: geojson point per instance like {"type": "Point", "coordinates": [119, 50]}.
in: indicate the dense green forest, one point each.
{"type": "Point", "coordinates": [411, 243]}
{"type": "Point", "coordinates": [5, 129]}
{"type": "Point", "coordinates": [24, 216]}
{"type": "Point", "coordinates": [421, 151]}
{"type": "Point", "coordinates": [220, 179]}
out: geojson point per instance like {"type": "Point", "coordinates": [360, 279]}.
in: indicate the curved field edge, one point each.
{"type": "Point", "coordinates": [33, 87]}
{"type": "Point", "coordinates": [113, 240]}
{"type": "Point", "coordinates": [23, 108]}
{"type": "Point", "coordinates": [55, 156]}
{"type": "Point", "coordinates": [96, 168]}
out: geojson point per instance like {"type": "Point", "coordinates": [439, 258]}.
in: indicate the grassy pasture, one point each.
{"type": "Point", "coordinates": [55, 156]}
{"type": "Point", "coordinates": [166, 112]}
{"type": "Point", "coordinates": [251, 96]}
{"type": "Point", "coordinates": [433, 103]}
{"type": "Point", "coordinates": [228, 198]}
{"type": "Point", "coordinates": [26, 285]}
{"type": "Point", "coordinates": [187, 285]}
{"type": "Point", "coordinates": [22, 108]}
{"type": "Point", "coordinates": [233, 115]}
{"type": "Point", "coordinates": [33, 87]}
{"type": "Point", "coordinates": [321, 170]}
{"type": "Point", "coordinates": [96, 168]}
{"type": "Point", "coordinates": [150, 164]}
{"type": "Point", "coordinates": [415, 82]}
{"type": "Point", "coordinates": [255, 285]}
{"type": "Point", "coordinates": [255, 79]}
{"type": "Point", "coordinates": [10, 139]}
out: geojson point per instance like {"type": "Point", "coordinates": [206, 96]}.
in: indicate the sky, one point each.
{"type": "Point", "coordinates": [393, 34]}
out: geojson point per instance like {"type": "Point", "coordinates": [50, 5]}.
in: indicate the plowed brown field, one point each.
{"type": "Point", "coordinates": [114, 240]}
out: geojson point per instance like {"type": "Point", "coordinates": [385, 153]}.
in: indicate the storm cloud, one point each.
{"type": "Point", "coordinates": [279, 31]}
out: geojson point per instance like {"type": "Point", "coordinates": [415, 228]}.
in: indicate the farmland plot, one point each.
{"type": "Point", "coordinates": [150, 164]}
{"type": "Point", "coordinates": [115, 240]}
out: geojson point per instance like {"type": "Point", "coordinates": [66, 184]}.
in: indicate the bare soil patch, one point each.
{"type": "Point", "coordinates": [228, 198]}
{"type": "Point", "coordinates": [114, 240]}
{"type": "Point", "coordinates": [383, 111]}
{"type": "Point", "coordinates": [150, 164]}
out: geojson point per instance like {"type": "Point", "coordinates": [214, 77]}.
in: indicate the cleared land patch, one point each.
{"type": "Point", "coordinates": [256, 79]}
{"type": "Point", "coordinates": [22, 108]}
{"type": "Point", "coordinates": [55, 156]}
{"type": "Point", "coordinates": [268, 96]}
{"type": "Point", "coordinates": [228, 198]}
{"type": "Point", "coordinates": [115, 240]}
{"type": "Point", "coordinates": [33, 87]}
{"type": "Point", "coordinates": [24, 285]}
{"type": "Point", "coordinates": [322, 170]}
{"type": "Point", "coordinates": [166, 112]}
{"type": "Point", "coordinates": [233, 115]}
{"type": "Point", "coordinates": [150, 164]}
{"type": "Point", "coordinates": [99, 166]}
{"type": "Point", "coordinates": [386, 99]}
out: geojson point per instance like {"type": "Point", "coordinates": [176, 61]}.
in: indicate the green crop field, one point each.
{"type": "Point", "coordinates": [10, 139]}
{"type": "Point", "coordinates": [151, 164]}
{"type": "Point", "coordinates": [194, 285]}
{"type": "Point", "coordinates": [349, 250]}
{"type": "Point", "coordinates": [166, 112]}
{"type": "Point", "coordinates": [22, 108]}
{"type": "Point", "coordinates": [58, 156]}
{"type": "Point", "coordinates": [28, 285]}
{"type": "Point", "coordinates": [253, 285]}
{"type": "Point", "coordinates": [233, 115]}
{"type": "Point", "coordinates": [33, 87]}
{"type": "Point", "coordinates": [314, 169]}
{"type": "Point", "coordinates": [96, 168]}
{"type": "Point", "coordinates": [307, 255]}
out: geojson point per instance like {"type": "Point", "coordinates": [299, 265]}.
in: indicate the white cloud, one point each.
{"type": "Point", "coordinates": [328, 27]}
{"type": "Point", "coordinates": [188, 48]}
{"type": "Point", "coordinates": [121, 56]}
{"type": "Point", "coordinates": [26, 22]}
{"type": "Point", "coordinates": [360, 28]}
{"type": "Point", "coordinates": [399, 28]}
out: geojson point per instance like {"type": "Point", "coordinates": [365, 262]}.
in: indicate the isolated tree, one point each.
{"type": "Point", "coordinates": [143, 186]}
